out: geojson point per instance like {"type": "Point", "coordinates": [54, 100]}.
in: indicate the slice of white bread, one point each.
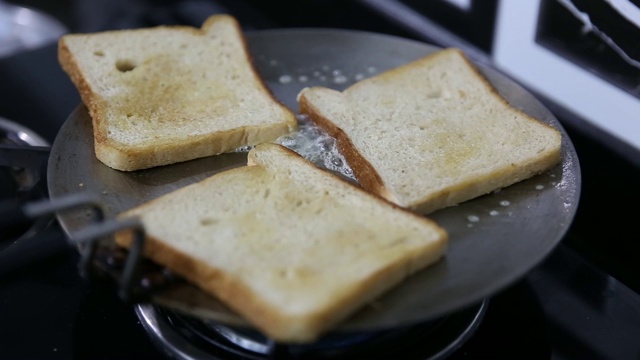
{"type": "Point", "coordinates": [432, 133]}
{"type": "Point", "coordinates": [171, 93]}
{"type": "Point", "coordinates": [291, 247]}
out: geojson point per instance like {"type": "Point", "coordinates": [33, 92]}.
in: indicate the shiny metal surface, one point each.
{"type": "Point", "coordinates": [437, 340]}
{"type": "Point", "coordinates": [22, 28]}
{"type": "Point", "coordinates": [14, 133]}
{"type": "Point", "coordinates": [494, 239]}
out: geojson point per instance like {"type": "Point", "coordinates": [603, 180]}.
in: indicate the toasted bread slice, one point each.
{"type": "Point", "coordinates": [168, 94]}
{"type": "Point", "coordinates": [432, 133]}
{"type": "Point", "coordinates": [291, 247]}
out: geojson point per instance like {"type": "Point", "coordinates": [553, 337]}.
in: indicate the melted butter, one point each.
{"type": "Point", "coordinates": [315, 145]}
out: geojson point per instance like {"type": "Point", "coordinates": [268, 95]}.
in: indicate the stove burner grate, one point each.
{"type": "Point", "coordinates": [18, 181]}
{"type": "Point", "coordinates": [185, 337]}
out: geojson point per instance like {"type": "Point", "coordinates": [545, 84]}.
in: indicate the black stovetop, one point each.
{"type": "Point", "coordinates": [582, 302]}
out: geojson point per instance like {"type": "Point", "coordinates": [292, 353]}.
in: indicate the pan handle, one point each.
{"type": "Point", "coordinates": [35, 248]}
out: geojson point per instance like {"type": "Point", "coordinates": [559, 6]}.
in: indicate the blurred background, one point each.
{"type": "Point", "coordinates": [581, 58]}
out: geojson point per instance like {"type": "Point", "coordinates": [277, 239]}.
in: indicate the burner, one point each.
{"type": "Point", "coordinates": [23, 156]}
{"type": "Point", "coordinates": [185, 337]}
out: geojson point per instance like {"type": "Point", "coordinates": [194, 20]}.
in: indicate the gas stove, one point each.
{"type": "Point", "coordinates": [582, 301]}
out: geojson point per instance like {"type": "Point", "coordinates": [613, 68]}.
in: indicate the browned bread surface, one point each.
{"type": "Point", "coordinates": [168, 94]}
{"type": "Point", "coordinates": [432, 133]}
{"type": "Point", "coordinates": [292, 248]}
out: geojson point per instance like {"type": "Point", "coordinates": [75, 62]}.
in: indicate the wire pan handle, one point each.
{"type": "Point", "coordinates": [87, 239]}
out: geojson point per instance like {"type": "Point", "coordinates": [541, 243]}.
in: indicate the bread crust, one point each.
{"type": "Point", "coordinates": [130, 157]}
{"type": "Point", "coordinates": [269, 320]}
{"type": "Point", "coordinates": [363, 171]}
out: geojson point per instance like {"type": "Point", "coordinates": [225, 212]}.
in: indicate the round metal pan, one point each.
{"type": "Point", "coordinates": [494, 239]}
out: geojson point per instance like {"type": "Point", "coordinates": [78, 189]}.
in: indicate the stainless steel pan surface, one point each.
{"type": "Point", "coordinates": [494, 239]}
